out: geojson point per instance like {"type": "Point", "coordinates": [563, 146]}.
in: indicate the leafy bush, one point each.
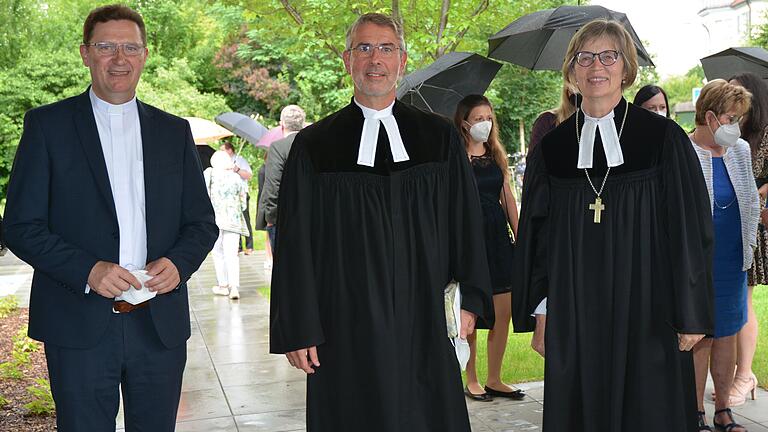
{"type": "Point", "coordinates": [42, 399]}
{"type": "Point", "coordinates": [8, 304]}
{"type": "Point", "coordinates": [3, 402]}
{"type": "Point", "coordinates": [11, 370]}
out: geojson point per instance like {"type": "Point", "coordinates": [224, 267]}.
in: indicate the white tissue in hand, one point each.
{"type": "Point", "coordinates": [136, 296]}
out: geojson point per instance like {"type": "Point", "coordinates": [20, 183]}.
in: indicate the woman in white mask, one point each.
{"type": "Point", "coordinates": [475, 119]}
{"type": "Point", "coordinates": [727, 166]}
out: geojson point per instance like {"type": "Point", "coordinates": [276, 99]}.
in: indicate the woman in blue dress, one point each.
{"type": "Point", "coordinates": [727, 166]}
{"type": "Point", "coordinates": [475, 120]}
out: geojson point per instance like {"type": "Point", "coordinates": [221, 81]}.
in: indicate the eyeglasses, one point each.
{"type": "Point", "coordinates": [110, 48]}
{"type": "Point", "coordinates": [733, 119]}
{"type": "Point", "coordinates": [366, 50]}
{"type": "Point", "coordinates": [586, 58]}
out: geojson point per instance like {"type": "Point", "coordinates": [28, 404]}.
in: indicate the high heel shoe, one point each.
{"type": "Point", "coordinates": [741, 386]}
{"type": "Point", "coordinates": [729, 427]}
{"type": "Point", "coordinates": [703, 426]}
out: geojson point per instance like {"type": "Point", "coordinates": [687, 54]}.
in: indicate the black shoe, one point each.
{"type": "Point", "coordinates": [485, 397]}
{"type": "Point", "coordinates": [728, 427]}
{"type": "Point", "coordinates": [514, 395]}
{"type": "Point", "coordinates": [703, 426]}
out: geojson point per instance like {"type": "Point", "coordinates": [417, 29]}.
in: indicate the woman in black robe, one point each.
{"type": "Point", "coordinates": [618, 238]}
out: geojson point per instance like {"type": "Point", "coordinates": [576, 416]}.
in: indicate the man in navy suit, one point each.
{"type": "Point", "coordinates": [106, 190]}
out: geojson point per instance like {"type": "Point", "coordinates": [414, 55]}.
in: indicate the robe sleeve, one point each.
{"type": "Point", "coordinates": [469, 265]}
{"type": "Point", "coordinates": [689, 236]}
{"type": "Point", "coordinates": [294, 310]}
{"type": "Point", "coordinates": [530, 284]}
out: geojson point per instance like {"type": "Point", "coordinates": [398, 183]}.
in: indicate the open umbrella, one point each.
{"type": "Point", "coordinates": [440, 86]}
{"type": "Point", "coordinates": [539, 40]}
{"type": "Point", "coordinates": [205, 131]}
{"type": "Point", "coordinates": [732, 61]}
{"type": "Point", "coordinates": [271, 136]}
{"type": "Point", "coordinates": [242, 126]}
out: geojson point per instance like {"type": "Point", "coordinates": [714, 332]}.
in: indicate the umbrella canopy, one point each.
{"type": "Point", "coordinates": [271, 136]}
{"type": "Point", "coordinates": [242, 126]}
{"type": "Point", "coordinates": [538, 41]}
{"type": "Point", "coordinates": [732, 61]}
{"type": "Point", "coordinates": [440, 86]}
{"type": "Point", "coordinates": [205, 131]}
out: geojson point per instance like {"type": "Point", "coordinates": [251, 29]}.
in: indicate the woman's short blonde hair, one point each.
{"type": "Point", "coordinates": [221, 160]}
{"type": "Point", "coordinates": [597, 29]}
{"type": "Point", "coordinates": [720, 96]}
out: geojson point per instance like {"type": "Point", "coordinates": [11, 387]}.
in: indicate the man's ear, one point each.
{"type": "Point", "coordinates": [84, 55]}
{"type": "Point", "coordinates": [346, 57]}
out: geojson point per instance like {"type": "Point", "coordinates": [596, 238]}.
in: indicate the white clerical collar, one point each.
{"type": "Point", "coordinates": [105, 107]}
{"type": "Point", "coordinates": [368, 139]}
{"type": "Point", "coordinates": [608, 135]}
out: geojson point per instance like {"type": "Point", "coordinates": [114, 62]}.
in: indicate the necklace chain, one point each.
{"type": "Point", "coordinates": [578, 139]}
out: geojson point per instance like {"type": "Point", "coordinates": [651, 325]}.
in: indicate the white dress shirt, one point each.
{"type": "Point", "coordinates": [120, 136]}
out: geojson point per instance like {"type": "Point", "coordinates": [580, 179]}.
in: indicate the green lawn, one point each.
{"type": "Point", "coordinates": [760, 365]}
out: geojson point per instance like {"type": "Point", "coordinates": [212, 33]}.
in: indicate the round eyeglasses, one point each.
{"type": "Point", "coordinates": [586, 58]}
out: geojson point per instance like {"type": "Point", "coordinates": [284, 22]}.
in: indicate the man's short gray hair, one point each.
{"type": "Point", "coordinates": [378, 19]}
{"type": "Point", "coordinates": [292, 118]}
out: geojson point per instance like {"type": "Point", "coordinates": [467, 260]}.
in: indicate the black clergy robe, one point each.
{"type": "Point", "coordinates": [618, 291]}
{"type": "Point", "coordinates": [363, 256]}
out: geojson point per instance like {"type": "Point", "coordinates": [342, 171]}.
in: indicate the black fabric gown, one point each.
{"type": "Point", "coordinates": [619, 291]}
{"type": "Point", "coordinates": [498, 247]}
{"type": "Point", "coordinates": [364, 255]}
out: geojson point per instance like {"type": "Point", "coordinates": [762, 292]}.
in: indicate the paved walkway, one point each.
{"type": "Point", "coordinates": [232, 383]}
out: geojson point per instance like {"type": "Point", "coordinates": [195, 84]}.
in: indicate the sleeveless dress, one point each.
{"type": "Point", "coordinates": [729, 279]}
{"type": "Point", "coordinates": [498, 245]}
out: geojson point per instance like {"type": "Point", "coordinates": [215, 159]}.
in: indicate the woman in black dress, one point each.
{"type": "Point", "coordinates": [476, 121]}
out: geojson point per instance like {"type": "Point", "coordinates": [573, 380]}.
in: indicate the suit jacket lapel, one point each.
{"type": "Point", "coordinates": [150, 154]}
{"type": "Point", "coordinates": [85, 124]}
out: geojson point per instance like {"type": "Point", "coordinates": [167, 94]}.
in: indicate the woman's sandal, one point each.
{"type": "Point", "coordinates": [703, 426]}
{"type": "Point", "coordinates": [728, 427]}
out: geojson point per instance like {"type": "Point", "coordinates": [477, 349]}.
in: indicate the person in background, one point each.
{"type": "Point", "coordinates": [727, 166]}
{"type": "Point", "coordinates": [228, 197]}
{"type": "Point", "coordinates": [476, 121]}
{"type": "Point", "coordinates": [292, 120]}
{"type": "Point", "coordinates": [754, 130]}
{"type": "Point", "coordinates": [243, 169]}
{"type": "Point", "coordinates": [549, 120]}
{"type": "Point", "coordinates": [654, 99]}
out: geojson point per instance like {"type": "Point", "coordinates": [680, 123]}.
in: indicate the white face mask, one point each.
{"type": "Point", "coordinates": [726, 135]}
{"type": "Point", "coordinates": [661, 113]}
{"type": "Point", "coordinates": [480, 131]}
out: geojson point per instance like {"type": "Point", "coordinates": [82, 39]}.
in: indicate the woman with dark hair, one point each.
{"type": "Point", "coordinates": [754, 130]}
{"type": "Point", "coordinates": [654, 99]}
{"type": "Point", "coordinates": [476, 122]}
{"type": "Point", "coordinates": [549, 120]}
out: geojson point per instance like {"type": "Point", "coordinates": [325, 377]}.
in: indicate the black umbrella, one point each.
{"type": "Point", "coordinates": [539, 40]}
{"type": "Point", "coordinates": [440, 86]}
{"type": "Point", "coordinates": [242, 126]}
{"type": "Point", "coordinates": [732, 61]}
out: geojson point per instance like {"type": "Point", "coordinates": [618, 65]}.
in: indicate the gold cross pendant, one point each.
{"type": "Point", "coordinates": [598, 208]}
